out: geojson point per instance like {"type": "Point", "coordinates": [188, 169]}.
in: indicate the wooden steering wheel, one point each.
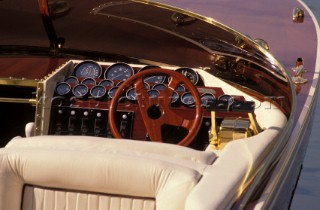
{"type": "Point", "coordinates": [161, 104]}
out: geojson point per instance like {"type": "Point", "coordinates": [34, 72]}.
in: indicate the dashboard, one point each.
{"type": "Point", "coordinates": [81, 102]}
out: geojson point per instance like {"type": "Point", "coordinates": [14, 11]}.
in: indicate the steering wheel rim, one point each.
{"type": "Point", "coordinates": [167, 116]}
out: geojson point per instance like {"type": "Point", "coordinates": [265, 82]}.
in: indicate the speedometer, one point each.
{"type": "Point", "coordinates": [154, 78]}
{"type": "Point", "coordinates": [88, 69]}
{"type": "Point", "coordinates": [119, 71]}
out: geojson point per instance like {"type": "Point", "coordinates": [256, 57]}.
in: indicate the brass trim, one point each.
{"type": "Point", "coordinates": [19, 100]}
{"type": "Point", "coordinates": [39, 109]}
{"type": "Point", "coordinates": [19, 82]}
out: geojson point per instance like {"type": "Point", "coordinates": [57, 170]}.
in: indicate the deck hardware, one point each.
{"type": "Point", "coordinates": [298, 15]}
{"type": "Point", "coordinates": [262, 43]}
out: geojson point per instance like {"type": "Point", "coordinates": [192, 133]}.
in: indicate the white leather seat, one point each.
{"type": "Point", "coordinates": [37, 178]}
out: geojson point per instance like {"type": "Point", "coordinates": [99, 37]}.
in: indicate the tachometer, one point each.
{"type": "Point", "coordinates": [118, 71]}
{"type": "Point", "coordinates": [89, 69]}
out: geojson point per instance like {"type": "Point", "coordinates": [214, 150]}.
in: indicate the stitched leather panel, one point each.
{"type": "Point", "coordinates": [36, 198]}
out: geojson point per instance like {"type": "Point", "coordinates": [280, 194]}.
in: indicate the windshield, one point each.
{"type": "Point", "coordinates": [142, 32]}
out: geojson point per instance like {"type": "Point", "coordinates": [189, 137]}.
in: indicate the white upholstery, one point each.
{"type": "Point", "coordinates": [53, 199]}
{"type": "Point", "coordinates": [105, 173]}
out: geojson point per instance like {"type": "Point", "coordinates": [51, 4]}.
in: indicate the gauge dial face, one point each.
{"type": "Point", "coordinates": [98, 91]}
{"type": "Point", "coordinates": [88, 69]}
{"type": "Point", "coordinates": [154, 78]}
{"type": "Point", "coordinates": [119, 71]}
{"type": "Point", "coordinates": [106, 83]}
{"type": "Point", "coordinates": [159, 87]}
{"type": "Point", "coordinates": [153, 93]}
{"type": "Point", "coordinates": [227, 98]}
{"type": "Point", "coordinates": [181, 88]}
{"type": "Point", "coordinates": [174, 98]}
{"type": "Point", "coordinates": [80, 90]}
{"type": "Point", "coordinates": [187, 99]}
{"type": "Point", "coordinates": [112, 91]}
{"type": "Point", "coordinates": [206, 98]}
{"type": "Point", "coordinates": [72, 80]}
{"type": "Point", "coordinates": [192, 75]}
{"type": "Point", "coordinates": [63, 88]}
{"type": "Point", "coordinates": [88, 81]}
{"type": "Point", "coordinates": [131, 94]}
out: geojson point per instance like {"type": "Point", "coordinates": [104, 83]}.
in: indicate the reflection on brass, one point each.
{"type": "Point", "coordinates": [298, 15]}
{"type": "Point", "coordinates": [39, 109]}
{"type": "Point", "coordinates": [213, 136]}
{"type": "Point", "coordinates": [19, 100]}
{"type": "Point", "coordinates": [19, 82]}
{"type": "Point", "coordinates": [181, 19]}
{"type": "Point", "coordinates": [262, 43]}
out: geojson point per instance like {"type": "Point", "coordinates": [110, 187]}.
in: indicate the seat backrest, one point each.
{"type": "Point", "coordinates": [56, 175]}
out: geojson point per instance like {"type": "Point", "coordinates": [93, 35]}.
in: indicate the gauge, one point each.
{"type": "Point", "coordinates": [119, 71]}
{"type": "Point", "coordinates": [88, 81]}
{"type": "Point", "coordinates": [192, 75]}
{"type": "Point", "coordinates": [72, 80]}
{"type": "Point", "coordinates": [131, 94]}
{"type": "Point", "coordinates": [181, 88]}
{"type": "Point", "coordinates": [63, 88]}
{"type": "Point", "coordinates": [228, 98]}
{"type": "Point", "coordinates": [98, 91]}
{"type": "Point", "coordinates": [80, 90]}
{"type": "Point", "coordinates": [89, 69]}
{"type": "Point", "coordinates": [174, 98]}
{"type": "Point", "coordinates": [187, 99]}
{"type": "Point", "coordinates": [154, 78]}
{"type": "Point", "coordinates": [106, 83]}
{"type": "Point", "coordinates": [112, 91]}
{"type": "Point", "coordinates": [206, 98]}
{"type": "Point", "coordinates": [153, 93]}
{"type": "Point", "coordinates": [159, 86]}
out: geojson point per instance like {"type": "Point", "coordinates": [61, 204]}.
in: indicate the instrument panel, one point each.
{"type": "Point", "coordinates": [81, 101]}
{"type": "Point", "coordinates": [90, 80]}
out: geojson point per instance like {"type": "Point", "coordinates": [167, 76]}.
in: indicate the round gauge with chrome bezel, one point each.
{"type": "Point", "coordinates": [63, 89]}
{"type": "Point", "coordinates": [106, 83]}
{"type": "Point", "coordinates": [187, 99]}
{"type": "Point", "coordinates": [154, 78]}
{"type": "Point", "coordinates": [191, 74]}
{"type": "Point", "coordinates": [180, 88]}
{"type": "Point", "coordinates": [159, 86]}
{"type": "Point", "coordinates": [131, 94]}
{"type": "Point", "coordinates": [72, 80]}
{"type": "Point", "coordinates": [118, 71]}
{"type": "Point", "coordinates": [112, 91]}
{"type": "Point", "coordinates": [206, 98]}
{"type": "Point", "coordinates": [80, 90]}
{"type": "Point", "coordinates": [175, 97]}
{"type": "Point", "coordinates": [90, 69]}
{"type": "Point", "coordinates": [98, 91]}
{"type": "Point", "coordinates": [88, 81]}
{"type": "Point", "coordinates": [227, 98]}
{"type": "Point", "coordinates": [153, 93]}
